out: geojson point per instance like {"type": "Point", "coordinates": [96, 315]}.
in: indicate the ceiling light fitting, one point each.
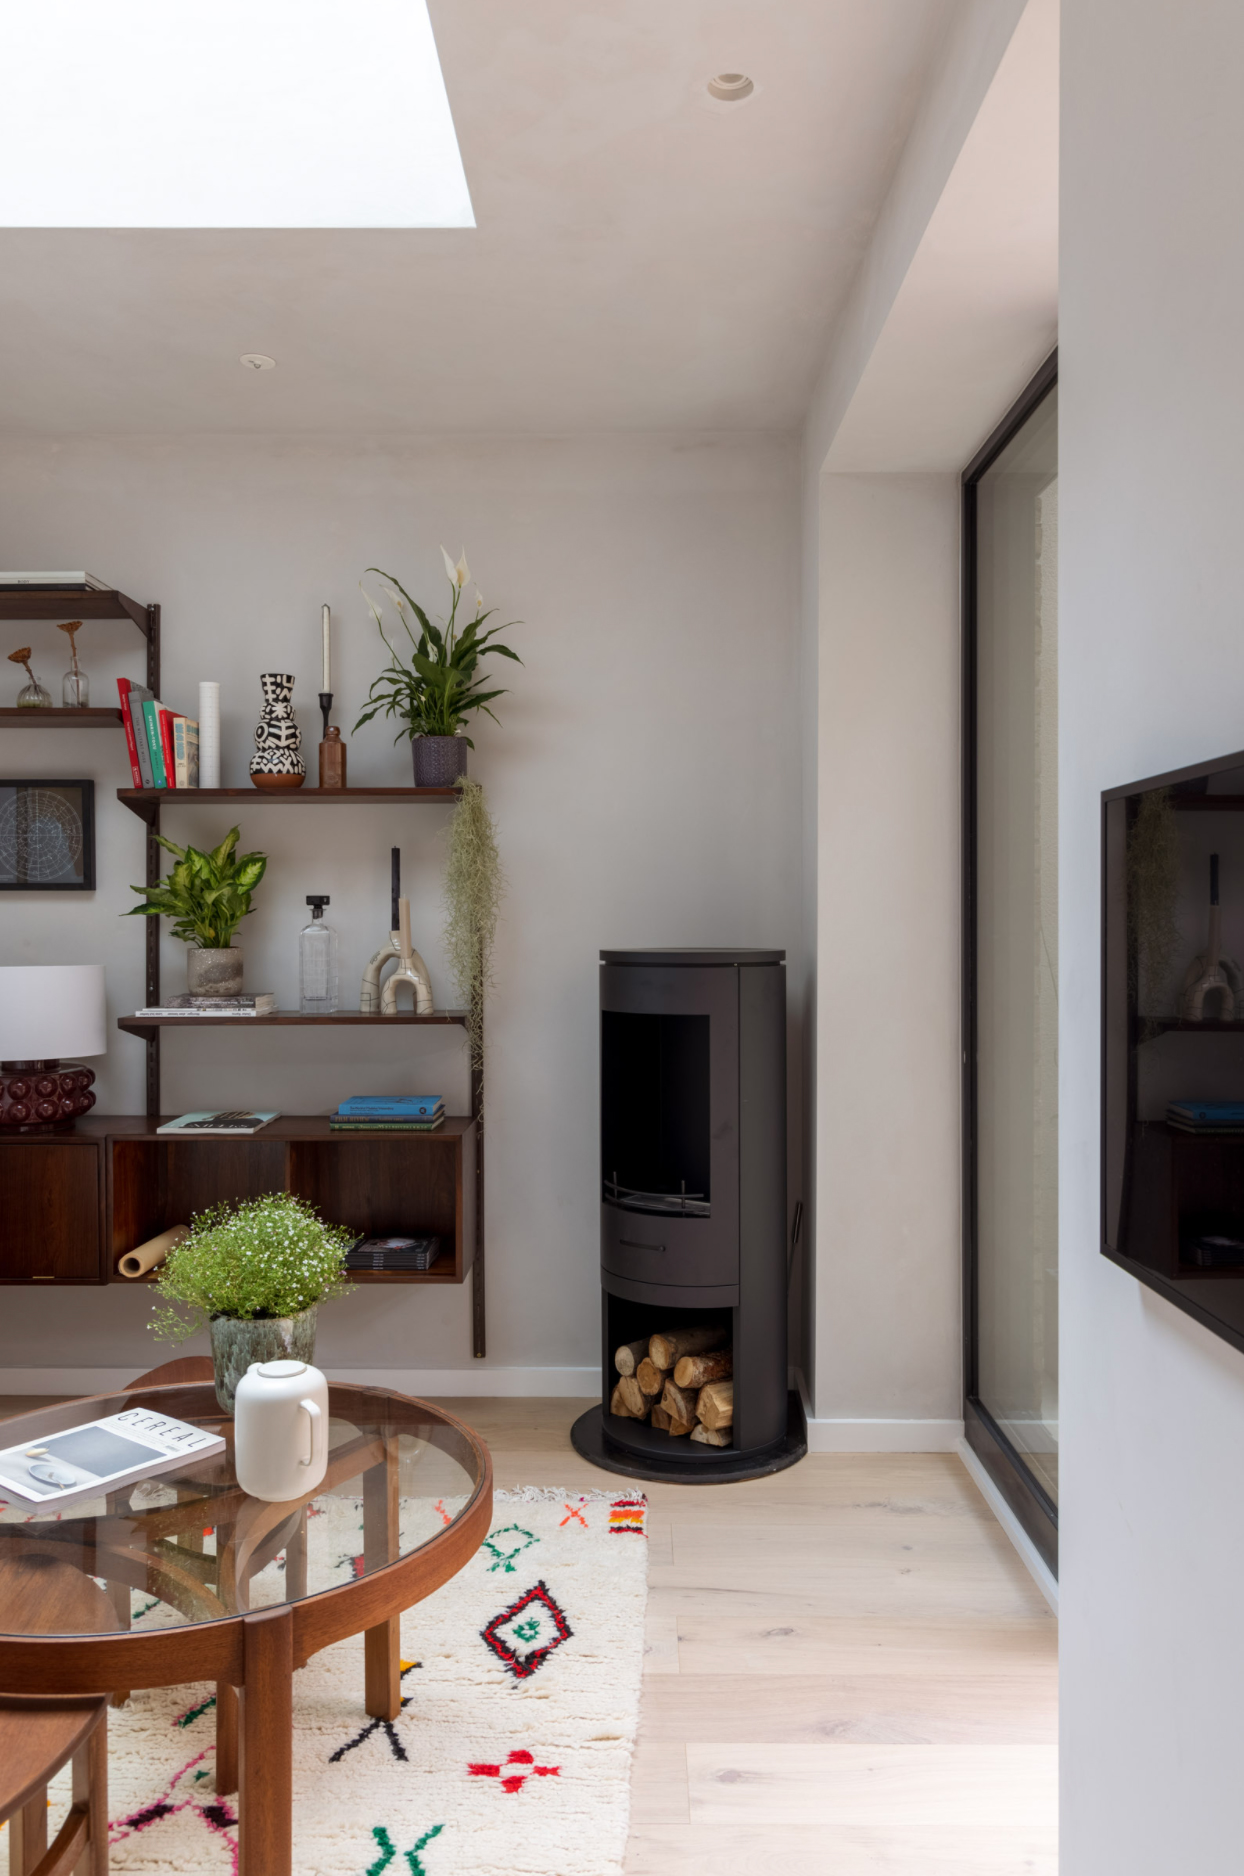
{"type": "Point", "coordinates": [257, 361]}
{"type": "Point", "coordinates": [730, 87]}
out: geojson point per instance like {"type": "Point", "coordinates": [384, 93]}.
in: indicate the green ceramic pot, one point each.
{"type": "Point", "coordinates": [236, 1344]}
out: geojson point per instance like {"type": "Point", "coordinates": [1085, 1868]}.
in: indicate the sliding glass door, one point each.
{"type": "Point", "coordinates": [1011, 957]}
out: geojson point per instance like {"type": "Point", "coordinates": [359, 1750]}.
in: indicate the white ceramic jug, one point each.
{"type": "Point", "coordinates": [280, 1430]}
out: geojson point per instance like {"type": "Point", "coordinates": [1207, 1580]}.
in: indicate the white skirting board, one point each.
{"type": "Point", "coordinates": [479, 1380]}
{"type": "Point", "coordinates": [1031, 1557]}
{"type": "Point", "coordinates": [884, 1436]}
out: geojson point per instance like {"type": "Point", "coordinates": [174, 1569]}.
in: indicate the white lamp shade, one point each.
{"type": "Point", "coordinates": [52, 1011]}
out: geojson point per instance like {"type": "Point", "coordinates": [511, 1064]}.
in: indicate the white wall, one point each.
{"type": "Point", "coordinates": [1152, 676]}
{"type": "Point", "coordinates": [887, 1032]}
{"type": "Point", "coordinates": [645, 783]}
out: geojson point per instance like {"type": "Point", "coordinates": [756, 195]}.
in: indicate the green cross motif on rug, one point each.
{"type": "Point", "coordinates": [387, 1851]}
{"type": "Point", "coordinates": [504, 1559]}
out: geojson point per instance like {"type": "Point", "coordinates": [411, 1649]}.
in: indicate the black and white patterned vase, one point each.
{"type": "Point", "coordinates": [276, 762]}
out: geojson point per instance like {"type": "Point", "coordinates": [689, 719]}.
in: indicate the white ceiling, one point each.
{"type": "Point", "coordinates": [644, 258]}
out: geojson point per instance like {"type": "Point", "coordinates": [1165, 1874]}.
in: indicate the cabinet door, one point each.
{"type": "Point", "coordinates": [50, 1211]}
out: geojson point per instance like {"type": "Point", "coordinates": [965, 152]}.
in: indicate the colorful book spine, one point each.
{"type": "Point", "coordinates": [138, 697]}
{"type": "Point", "coordinates": [131, 744]}
{"type": "Point", "coordinates": [166, 748]}
{"type": "Point", "coordinates": [151, 717]}
{"type": "Point", "coordinates": [186, 751]}
{"type": "Point", "coordinates": [413, 1107]}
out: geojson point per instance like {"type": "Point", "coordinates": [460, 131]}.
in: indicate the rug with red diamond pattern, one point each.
{"type": "Point", "coordinates": [511, 1756]}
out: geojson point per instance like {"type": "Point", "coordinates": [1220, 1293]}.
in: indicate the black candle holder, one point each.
{"type": "Point", "coordinates": [326, 704]}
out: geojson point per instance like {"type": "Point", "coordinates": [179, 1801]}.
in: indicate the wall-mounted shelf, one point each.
{"type": "Point", "coordinates": [139, 1025]}
{"type": "Point", "coordinates": [147, 802]}
{"type": "Point", "coordinates": [63, 719]}
{"type": "Point", "coordinates": [1180, 1026]}
{"type": "Point", "coordinates": [62, 602]}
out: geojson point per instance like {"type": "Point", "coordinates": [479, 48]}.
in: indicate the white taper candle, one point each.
{"type": "Point", "coordinates": [326, 615]}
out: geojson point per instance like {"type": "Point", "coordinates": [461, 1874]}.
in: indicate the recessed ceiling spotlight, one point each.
{"type": "Point", "coordinates": [730, 87]}
{"type": "Point", "coordinates": [257, 361]}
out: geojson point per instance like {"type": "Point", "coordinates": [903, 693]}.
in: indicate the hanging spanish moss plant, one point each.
{"type": "Point", "coordinates": [1152, 895]}
{"type": "Point", "coordinates": [474, 886]}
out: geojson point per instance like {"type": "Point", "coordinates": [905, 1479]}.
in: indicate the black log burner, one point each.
{"type": "Point", "coordinates": [693, 1200]}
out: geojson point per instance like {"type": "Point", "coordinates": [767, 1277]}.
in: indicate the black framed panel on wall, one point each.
{"type": "Point", "coordinates": [1173, 1038]}
{"type": "Point", "coordinates": [47, 836]}
{"type": "Point", "coordinates": [1010, 958]}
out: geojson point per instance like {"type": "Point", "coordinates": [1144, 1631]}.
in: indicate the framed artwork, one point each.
{"type": "Point", "coordinates": [47, 836]}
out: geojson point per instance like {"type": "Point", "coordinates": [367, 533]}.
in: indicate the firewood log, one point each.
{"type": "Point", "coordinates": [637, 1402]}
{"type": "Point", "coordinates": [665, 1350]}
{"type": "Point", "coordinates": [695, 1370]}
{"type": "Point", "coordinates": [679, 1429]}
{"type": "Point", "coordinates": [651, 1378]}
{"type": "Point", "coordinates": [627, 1358]}
{"type": "Point", "coordinates": [618, 1406]}
{"type": "Point", "coordinates": [678, 1404]}
{"type": "Point", "coordinates": [710, 1436]}
{"type": "Point", "coordinates": [716, 1404]}
{"type": "Point", "coordinates": [660, 1420]}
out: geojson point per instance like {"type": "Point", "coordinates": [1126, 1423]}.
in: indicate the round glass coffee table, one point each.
{"type": "Point", "coordinates": [246, 1591]}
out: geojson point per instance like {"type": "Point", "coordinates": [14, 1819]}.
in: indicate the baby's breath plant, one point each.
{"type": "Point", "coordinates": [252, 1260]}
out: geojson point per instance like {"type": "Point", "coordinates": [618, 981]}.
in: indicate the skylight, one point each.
{"type": "Point", "coordinates": [227, 114]}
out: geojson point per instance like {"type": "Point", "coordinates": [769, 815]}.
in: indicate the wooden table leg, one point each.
{"type": "Point", "coordinates": [226, 1739]}
{"type": "Point", "coordinates": [266, 1786]}
{"type": "Point", "coordinates": [382, 1668]}
{"type": "Point", "coordinates": [296, 1562]}
{"type": "Point", "coordinates": [90, 1789]}
{"type": "Point", "coordinates": [28, 1834]}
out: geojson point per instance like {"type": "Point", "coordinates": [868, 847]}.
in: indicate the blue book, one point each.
{"type": "Point", "coordinates": [1206, 1113]}
{"type": "Point", "coordinates": [404, 1106]}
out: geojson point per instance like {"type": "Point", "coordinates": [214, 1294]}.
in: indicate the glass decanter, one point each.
{"type": "Point", "coordinates": [75, 690]}
{"type": "Point", "coordinates": [317, 961]}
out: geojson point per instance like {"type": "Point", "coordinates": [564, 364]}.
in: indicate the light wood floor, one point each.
{"type": "Point", "coordinates": [848, 1670]}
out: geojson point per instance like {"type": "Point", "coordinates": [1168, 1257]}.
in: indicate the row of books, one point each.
{"type": "Point", "coordinates": [163, 744]}
{"type": "Point", "coordinates": [388, 1113]}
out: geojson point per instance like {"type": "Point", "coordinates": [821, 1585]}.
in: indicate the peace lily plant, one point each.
{"type": "Point", "coordinates": [435, 684]}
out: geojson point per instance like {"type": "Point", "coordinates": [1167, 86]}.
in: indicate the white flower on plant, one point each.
{"type": "Point", "coordinates": [457, 575]}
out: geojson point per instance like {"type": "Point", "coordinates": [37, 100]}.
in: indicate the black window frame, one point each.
{"type": "Point", "coordinates": [1005, 1464]}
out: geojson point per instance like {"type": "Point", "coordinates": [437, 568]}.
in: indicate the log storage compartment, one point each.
{"type": "Point", "coordinates": [693, 1218]}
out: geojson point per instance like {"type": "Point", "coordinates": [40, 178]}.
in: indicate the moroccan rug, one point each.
{"type": "Point", "coordinates": [512, 1753]}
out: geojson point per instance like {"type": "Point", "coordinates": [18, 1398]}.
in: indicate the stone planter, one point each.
{"type": "Point", "coordinates": [236, 1344]}
{"type": "Point", "coordinates": [214, 973]}
{"type": "Point", "coordinates": [439, 760]}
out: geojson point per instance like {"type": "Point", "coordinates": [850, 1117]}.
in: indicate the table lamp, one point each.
{"type": "Point", "coordinates": [48, 1012]}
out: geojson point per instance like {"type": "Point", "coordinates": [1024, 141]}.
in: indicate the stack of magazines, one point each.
{"type": "Point", "coordinates": [389, 1113]}
{"type": "Point", "coordinates": [1206, 1116]}
{"type": "Point", "coordinates": [264, 1004]}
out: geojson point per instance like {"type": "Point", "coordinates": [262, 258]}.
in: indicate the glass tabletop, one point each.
{"type": "Point", "coordinates": [189, 1546]}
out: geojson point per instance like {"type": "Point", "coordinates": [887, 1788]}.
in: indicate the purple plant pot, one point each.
{"type": "Point", "coordinates": [438, 760]}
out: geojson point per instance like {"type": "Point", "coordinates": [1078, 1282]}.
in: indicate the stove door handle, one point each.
{"type": "Point", "coordinates": [633, 1244]}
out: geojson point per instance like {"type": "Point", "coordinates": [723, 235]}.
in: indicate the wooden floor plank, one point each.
{"type": "Point", "coordinates": [912, 1787]}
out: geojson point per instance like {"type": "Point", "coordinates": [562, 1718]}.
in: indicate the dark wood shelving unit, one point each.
{"type": "Point", "coordinates": [1211, 804]}
{"type": "Point", "coordinates": [74, 1203]}
{"type": "Point", "coordinates": [62, 719]}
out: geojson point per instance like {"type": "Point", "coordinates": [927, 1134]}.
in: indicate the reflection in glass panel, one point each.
{"type": "Point", "coordinates": [1017, 941]}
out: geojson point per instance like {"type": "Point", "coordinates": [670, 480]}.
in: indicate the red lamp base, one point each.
{"type": "Point", "coordinates": [43, 1097]}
